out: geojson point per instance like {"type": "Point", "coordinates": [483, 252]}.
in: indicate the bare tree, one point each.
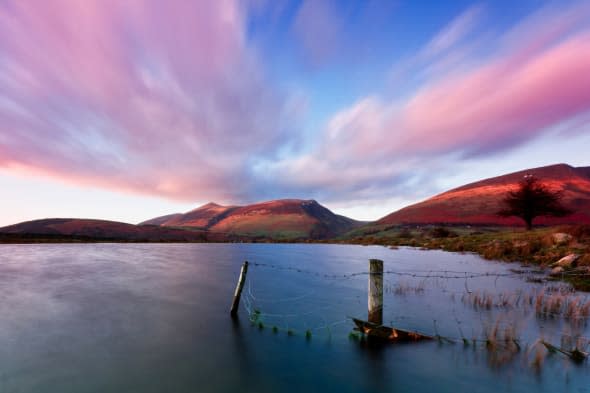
{"type": "Point", "coordinates": [532, 199]}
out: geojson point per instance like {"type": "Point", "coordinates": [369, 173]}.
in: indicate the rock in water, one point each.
{"type": "Point", "coordinates": [557, 270]}
{"type": "Point", "coordinates": [567, 261]}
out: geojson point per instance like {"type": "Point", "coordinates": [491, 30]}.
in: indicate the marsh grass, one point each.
{"type": "Point", "coordinates": [405, 288]}
{"type": "Point", "coordinates": [539, 353]}
{"type": "Point", "coordinates": [536, 247]}
{"type": "Point", "coordinates": [502, 342]}
{"type": "Point", "coordinates": [553, 302]}
{"type": "Point", "coordinates": [484, 300]}
{"type": "Point", "coordinates": [571, 307]}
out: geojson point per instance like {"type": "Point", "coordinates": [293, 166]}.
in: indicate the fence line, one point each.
{"type": "Point", "coordinates": [447, 274]}
{"type": "Point", "coordinates": [498, 332]}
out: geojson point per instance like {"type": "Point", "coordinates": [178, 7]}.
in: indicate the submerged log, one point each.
{"type": "Point", "coordinates": [576, 355]}
{"type": "Point", "coordinates": [388, 333]}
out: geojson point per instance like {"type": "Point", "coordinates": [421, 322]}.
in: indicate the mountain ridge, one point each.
{"type": "Point", "coordinates": [281, 218]}
{"type": "Point", "coordinates": [476, 203]}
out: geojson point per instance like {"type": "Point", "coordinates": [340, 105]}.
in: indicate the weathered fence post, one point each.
{"type": "Point", "coordinates": [376, 291]}
{"type": "Point", "coordinates": [238, 293]}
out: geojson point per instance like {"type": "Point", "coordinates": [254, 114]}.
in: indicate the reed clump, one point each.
{"type": "Point", "coordinates": [405, 288]}
{"type": "Point", "coordinates": [483, 300]}
{"type": "Point", "coordinates": [552, 302]}
{"type": "Point", "coordinates": [502, 343]}
{"type": "Point", "coordinates": [559, 304]}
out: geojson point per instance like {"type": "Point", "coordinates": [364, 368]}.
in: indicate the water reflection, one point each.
{"type": "Point", "coordinates": [374, 364]}
{"type": "Point", "coordinates": [153, 318]}
{"type": "Point", "coordinates": [243, 359]}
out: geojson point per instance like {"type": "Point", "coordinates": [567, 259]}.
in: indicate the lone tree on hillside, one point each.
{"type": "Point", "coordinates": [532, 199]}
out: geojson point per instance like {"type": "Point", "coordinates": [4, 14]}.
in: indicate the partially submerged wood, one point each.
{"type": "Point", "coordinates": [375, 300]}
{"type": "Point", "coordinates": [576, 355]}
{"type": "Point", "coordinates": [388, 333]}
{"type": "Point", "coordinates": [374, 326]}
{"type": "Point", "coordinates": [238, 293]}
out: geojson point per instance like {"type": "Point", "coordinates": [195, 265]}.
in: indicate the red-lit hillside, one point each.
{"type": "Point", "coordinates": [477, 203]}
{"type": "Point", "coordinates": [280, 219]}
{"type": "Point", "coordinates": [202, 217]}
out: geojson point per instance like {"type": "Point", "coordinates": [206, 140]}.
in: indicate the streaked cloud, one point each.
{"type": "Point", "coordinates": [177, 99]}
{"type": "Point", "coordinates": [456, 31]}
{"type": "Point", "coordinates": [494, 103]}
{"type": "Point", "coordinates": [148, 96]}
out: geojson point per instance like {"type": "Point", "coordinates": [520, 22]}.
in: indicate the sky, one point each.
{"type": "Point", "coordinates": [127, 110]}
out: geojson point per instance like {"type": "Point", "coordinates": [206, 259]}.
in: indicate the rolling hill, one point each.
{"type": "Point", "coordinates": [477, 203]}
{"type": "Point", "coordinates": [285, 219]}
{"type": "Point", "coordinates": [72, 229]}
{"type": "Point", "coordinates": [297, 219]}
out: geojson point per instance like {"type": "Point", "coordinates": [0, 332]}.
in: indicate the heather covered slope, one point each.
{"type": "Point", "coordinates": [285, 219]}
{"type": "Point", "coordinates": [161, 220]}
{"type": "Point", "coordinates": [202, 217]}
{"type": "Point", "coordinates": [95, 230]}
{"type": "Point", "coordinates": [477, 203]}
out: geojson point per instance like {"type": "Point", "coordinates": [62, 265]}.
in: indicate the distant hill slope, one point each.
{"type": "Point", "coordinates": [161, 220]}
{"type": "Point", "coordinates": [285, 219]}
{"type": "Point", "coordinates": [202, 217]}
{"type": "Point", "coordinates": [86, 229]}
{"type": "Point", "coordinates": [477, 203]}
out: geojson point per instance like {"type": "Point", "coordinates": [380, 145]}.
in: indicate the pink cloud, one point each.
{"type": "Point", "coordinates": [500, 101]}
{"type": "Point", "coordinates": [147, 96]}
{"type": "Point", "coordinates": [515, 94]}
{"type": "Point", "coordinates": [169, 98]}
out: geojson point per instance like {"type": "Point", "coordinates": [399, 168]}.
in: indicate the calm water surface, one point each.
{"type": "Point", "coordinates": [154, 318]}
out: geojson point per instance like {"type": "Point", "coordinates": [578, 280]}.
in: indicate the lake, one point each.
{"type": "Point", "coordinates": [155, 318]}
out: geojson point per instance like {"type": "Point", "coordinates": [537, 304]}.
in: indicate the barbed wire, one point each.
{"type": "Point", "coordinates": [450, 274]}
{"type": "Point", "coordinates": [313, 321]}
{"type": "Point", "coordinates": [258, 318]}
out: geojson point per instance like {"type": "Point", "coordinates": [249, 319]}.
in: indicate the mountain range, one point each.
{"type": "Point", "coordinates": [280, 220]}
{"type": "Point", "coordinates": [301, 220]}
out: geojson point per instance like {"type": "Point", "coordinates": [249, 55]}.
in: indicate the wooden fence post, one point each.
{"type": "Point", "coordinates": [376, 291]}
{"type": "Point", "coordinates": [238, 293]}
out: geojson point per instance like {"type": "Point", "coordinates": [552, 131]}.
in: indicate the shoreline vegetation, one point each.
{"type": "Point", "coordinates": [562, 251]}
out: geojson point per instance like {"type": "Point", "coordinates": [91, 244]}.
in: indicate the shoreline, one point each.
{"type": "Point", "coordinates": [544, 247]}
{"type": "Point", "coordinates": [563, 252]}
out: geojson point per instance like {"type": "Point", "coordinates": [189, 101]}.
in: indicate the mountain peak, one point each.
{"type": "Point", "coordinates": [276, 219]}
{"type": "Point", "coordinates": [207, 206]}
{"type": "Point", "coordinates": [210, 204]}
